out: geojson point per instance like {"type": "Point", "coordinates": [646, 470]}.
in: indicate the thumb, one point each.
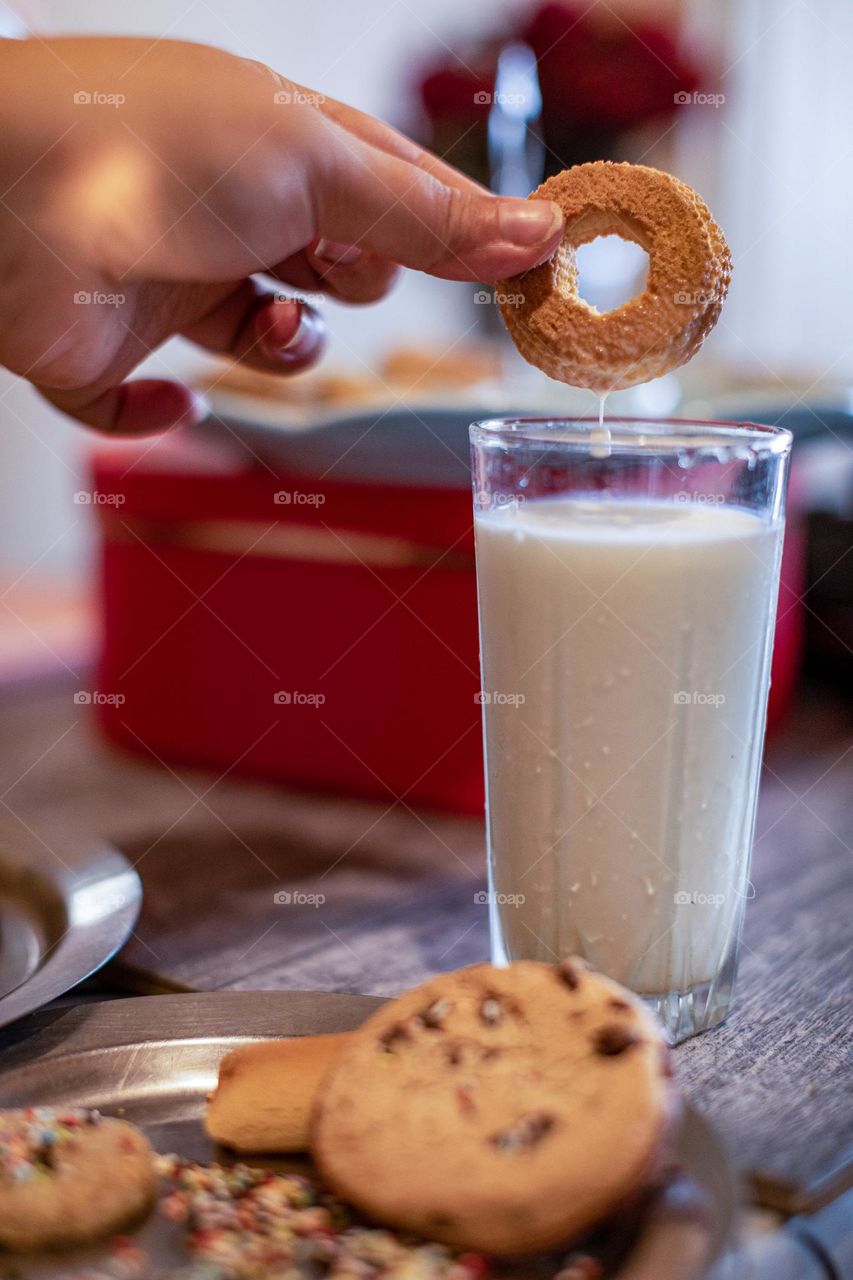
{"type": "Point", "coordinates": [395, 208]}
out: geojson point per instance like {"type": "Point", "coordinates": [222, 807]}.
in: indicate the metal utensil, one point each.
{"type": "Point", "coordinates": [154, 1059]}
{"type": "Point", "coordinates": [59, 921]}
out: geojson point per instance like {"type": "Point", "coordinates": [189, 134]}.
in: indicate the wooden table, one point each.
{"type": "Point", "coordinates": [251, 887]}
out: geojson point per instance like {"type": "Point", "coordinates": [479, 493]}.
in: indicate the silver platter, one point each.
{"type": "Point", "coordinates": [59, 921]}
{"type": "Point", "coordinates": [153, 1061]}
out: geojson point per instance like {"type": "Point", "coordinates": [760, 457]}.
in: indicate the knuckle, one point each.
{"type": "Point", "coordinates": [448, 222]}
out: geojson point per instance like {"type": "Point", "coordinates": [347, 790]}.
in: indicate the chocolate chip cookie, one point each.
{"type": "Point", "coordinates": [502, 1110]}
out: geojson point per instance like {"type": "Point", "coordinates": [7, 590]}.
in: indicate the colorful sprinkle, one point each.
{"type": "Point", "coordinates": [30, 1139]}
{"type": "Point", "coordinates": [253, 1224]}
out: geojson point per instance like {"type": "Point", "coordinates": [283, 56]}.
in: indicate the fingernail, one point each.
{"type": "Point", "coordinates": [528, 222]}
{"type": "Point", "coordinates": [307, 338]}
{"type": "Point", "coordinates": [340, 255]}
{"type": "Point", "coordinates": [297, 335]}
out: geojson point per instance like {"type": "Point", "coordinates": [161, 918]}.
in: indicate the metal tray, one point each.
{"type": "Point", "coordinates": [59, 921]}
{"type": "Point", "coordinates": [153, 1060]}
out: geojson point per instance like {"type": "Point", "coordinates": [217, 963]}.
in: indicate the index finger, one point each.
{"type": "Point", "coordinates": [382, 135]}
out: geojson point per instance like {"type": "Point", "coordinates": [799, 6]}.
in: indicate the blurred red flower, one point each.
{"type": "Point", "coordinates": [600, 72]}
{"type": "Point", "coordinates": [600, 76]}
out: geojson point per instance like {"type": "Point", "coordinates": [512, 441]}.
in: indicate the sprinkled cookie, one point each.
{"type": "Point", "coordinates": [501, 1110]}
{"type": "Point", "coordinates": [68, 1176]}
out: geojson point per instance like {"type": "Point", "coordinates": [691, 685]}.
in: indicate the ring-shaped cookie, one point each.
{"type": "Point", "coordinates": [661, 328]}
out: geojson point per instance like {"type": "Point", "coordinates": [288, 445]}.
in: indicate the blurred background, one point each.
{"type": "Point", "coordinates": [286, 593]}
{"type": "Point", "coordinates": [748, 100]}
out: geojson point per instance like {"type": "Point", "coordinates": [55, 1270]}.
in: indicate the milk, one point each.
{"type": "Point", "coordinates": [625, 652]}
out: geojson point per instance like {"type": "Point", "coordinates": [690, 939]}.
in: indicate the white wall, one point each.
{"type": "Point", "coordinates": [789, 185]}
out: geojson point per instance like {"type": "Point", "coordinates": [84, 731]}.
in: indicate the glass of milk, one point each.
{"type": "Point", "coordinates": [627, 585]}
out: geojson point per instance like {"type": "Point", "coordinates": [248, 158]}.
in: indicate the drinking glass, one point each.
{"type": "Point", "coordinates": [627, 584]}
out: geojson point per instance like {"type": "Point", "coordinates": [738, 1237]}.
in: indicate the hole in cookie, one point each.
{"type": "Point", "coordinates": [611, 271]}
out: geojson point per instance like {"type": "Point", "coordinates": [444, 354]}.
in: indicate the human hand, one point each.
{"type": "Point", "coordinates": [156, 179]}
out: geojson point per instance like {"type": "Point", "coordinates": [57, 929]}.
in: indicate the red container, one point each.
{"type": "Point", "coordinates": [318, 631]}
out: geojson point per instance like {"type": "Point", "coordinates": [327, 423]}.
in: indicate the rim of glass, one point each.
{"type": "Point", "coordinates": [636, 435]}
